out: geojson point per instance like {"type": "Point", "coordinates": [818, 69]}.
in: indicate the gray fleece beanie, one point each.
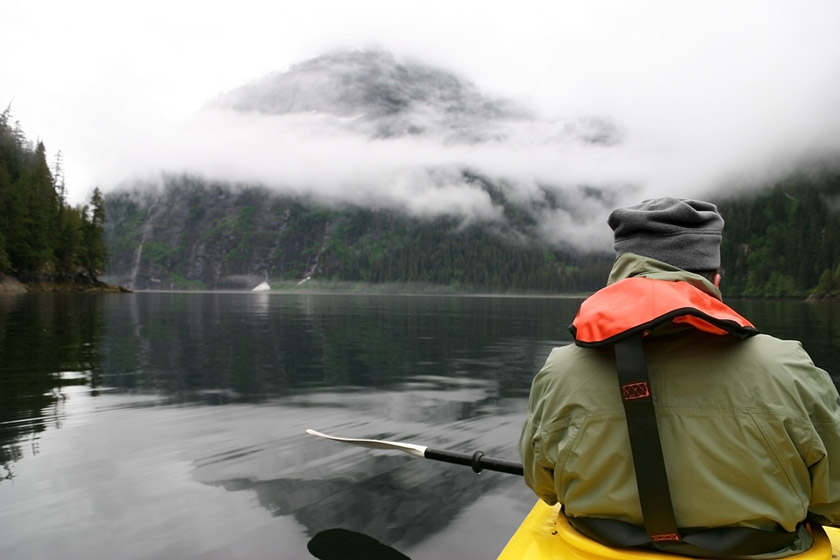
{"type": "Point", "coordinates": [681, 232]}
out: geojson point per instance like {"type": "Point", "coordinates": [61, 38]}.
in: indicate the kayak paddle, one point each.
{"type": "Point", "coordinates": [478, 461]}
{"type": "Point", "coordinates": [342, 544]}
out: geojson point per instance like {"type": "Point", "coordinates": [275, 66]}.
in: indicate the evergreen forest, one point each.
{"type": "Point", "coordinates": [196, 234]}
{"type": "Point", "coordinates": [784, 240]}
{"type": "Point", "coordinates": [781, 240]}
{"type": "Point", "coordinates": [41, 235]}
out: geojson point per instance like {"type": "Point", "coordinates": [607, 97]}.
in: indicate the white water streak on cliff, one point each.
{"type": "Point", "coordinates": [147, 231]}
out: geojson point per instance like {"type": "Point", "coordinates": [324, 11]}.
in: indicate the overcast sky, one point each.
{"type": "Point", "coordinates": [702, 90]}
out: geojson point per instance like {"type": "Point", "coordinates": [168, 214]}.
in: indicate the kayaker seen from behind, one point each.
{"type": "Point", "coordinates": [735, 435]}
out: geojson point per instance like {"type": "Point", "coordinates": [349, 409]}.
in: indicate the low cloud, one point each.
{"type": "Point", "coordinates": [320, 155]}
{"type": "Point", "coordinates": [699, 95]}
{"type": "Point", "coordinates": [692, 106]}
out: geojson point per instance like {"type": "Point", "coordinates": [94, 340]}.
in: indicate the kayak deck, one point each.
{"type": "Point", "coordinates": [546, 534]}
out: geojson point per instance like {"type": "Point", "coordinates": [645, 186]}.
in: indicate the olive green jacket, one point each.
{"type": "Point", "coordinates": [750, 428]}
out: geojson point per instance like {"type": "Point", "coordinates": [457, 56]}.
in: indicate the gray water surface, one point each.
{"type": "Point", "coordinates": [171, 425]}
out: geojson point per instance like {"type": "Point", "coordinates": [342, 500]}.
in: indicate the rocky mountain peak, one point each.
{"type": "Point", "coordinates": [376, 94]}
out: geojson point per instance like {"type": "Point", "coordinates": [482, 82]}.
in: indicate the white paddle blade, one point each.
{"type": "Point", "coordinates": [410, 448]}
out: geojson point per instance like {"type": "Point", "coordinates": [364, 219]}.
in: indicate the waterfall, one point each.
{"type": "Point", "coordinates": [136, 267]}
{"type": "Point", "coordinates": [314, 266]}
{"type": "Point", "coordinates": [147, 230]}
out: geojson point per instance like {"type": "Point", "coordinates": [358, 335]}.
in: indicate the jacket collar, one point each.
{"type": "Point", "coordinates": [630, 264]}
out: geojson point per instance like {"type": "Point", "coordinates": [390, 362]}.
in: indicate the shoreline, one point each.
{"type": "Point", "coordinates": [11, 285]}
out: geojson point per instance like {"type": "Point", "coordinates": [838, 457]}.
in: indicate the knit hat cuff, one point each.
{"type": "Point", "coordinates": [689, 251]}
{"type": "Point", "coordinates": [681, 232]}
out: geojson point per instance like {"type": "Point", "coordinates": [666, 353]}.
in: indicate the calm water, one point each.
{"type": "Point", "coordinates": [171, 425]}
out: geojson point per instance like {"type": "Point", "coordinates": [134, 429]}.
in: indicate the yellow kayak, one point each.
{"type": "Point", "coordinates": [546, 534]}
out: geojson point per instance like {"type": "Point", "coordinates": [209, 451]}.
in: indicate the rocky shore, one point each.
{"type": "Point", "coordinates": [63, 283]}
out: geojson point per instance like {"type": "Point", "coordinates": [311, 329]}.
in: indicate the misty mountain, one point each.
{"type": "Point", "coordinates": [458, 226]}
{"type": "Point", "coordinates": [448, 225]}
{"type": "Point", "coordinates": [370, 92]}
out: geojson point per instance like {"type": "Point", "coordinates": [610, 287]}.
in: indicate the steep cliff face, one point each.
{"type": "Point", "coordinates": [197, 235]}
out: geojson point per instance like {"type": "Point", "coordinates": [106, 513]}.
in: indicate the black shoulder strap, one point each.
{"type": "Point", "coordinates": [645, 443]}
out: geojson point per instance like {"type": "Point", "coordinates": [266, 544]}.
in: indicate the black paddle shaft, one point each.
{"type": "Point", "coordinates": [478, 461]}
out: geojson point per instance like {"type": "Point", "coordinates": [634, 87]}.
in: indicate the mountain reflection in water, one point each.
{"type": "Point", "coordinates": [134, 458]}
{"type": "Point", "coordinates": [389, 496]}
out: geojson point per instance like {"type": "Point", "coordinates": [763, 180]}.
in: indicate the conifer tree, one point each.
{"type": "Point", "coordinates": [96, 252]}
{"type": "Point", "coordinates": [39, 232]}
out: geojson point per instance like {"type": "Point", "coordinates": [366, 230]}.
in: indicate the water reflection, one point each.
{"type": "Point", "coordinates": [246, 347]}
{"type": "Point", "coordinates": [815, 324]}
{"type": "Point", "coordinates": [127, 380]}
{"type": "Point", "coordinates": [388, 496]}
{"type": "Point", "coordinates": [47, 343]}
{"type": "Point", "coordinates": [113, 442]}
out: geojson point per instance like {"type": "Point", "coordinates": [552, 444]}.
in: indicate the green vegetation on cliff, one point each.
{"type": "Point", "coordinates": [40, 234]}
{"type": "Point", "coordinates": [209, 235]}
{"type": "Point", "coordinates": [780, 241]}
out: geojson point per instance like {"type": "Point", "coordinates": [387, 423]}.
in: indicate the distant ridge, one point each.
{"type": "Point", "coordinates": [384, 98]}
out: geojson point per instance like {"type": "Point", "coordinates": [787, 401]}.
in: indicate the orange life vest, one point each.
{"type": "Point", "coordinates": [640, 304]}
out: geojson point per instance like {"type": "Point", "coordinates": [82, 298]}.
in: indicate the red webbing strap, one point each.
{"type": "Point", "coordinates": [646, 446]}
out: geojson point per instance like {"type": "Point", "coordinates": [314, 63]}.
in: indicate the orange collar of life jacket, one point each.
{"type": "Point", "coordinates": [640, 304]}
